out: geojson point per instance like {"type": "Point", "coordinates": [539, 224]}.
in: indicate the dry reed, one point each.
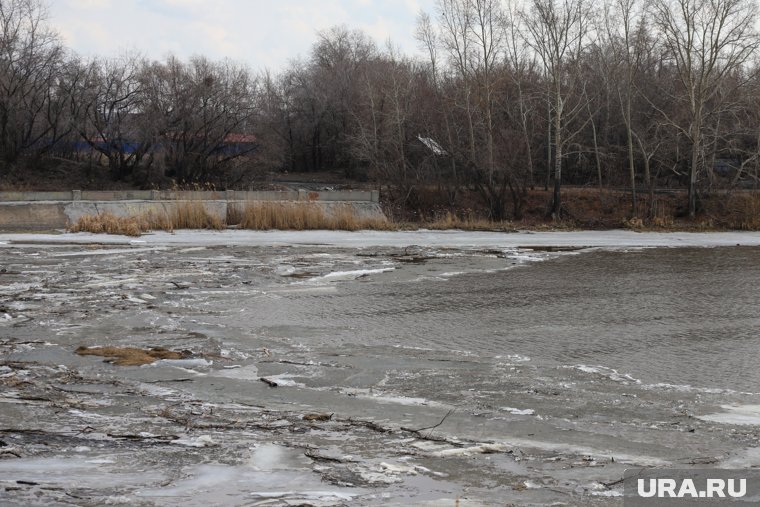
{"type": "Point", "coordinates": [193, 215]}
{"type": "Point", "coordinates": [742, 211]}
{"type": "Point", "coordinates": [107, 223]}
{"type": "Point", "coordinates": [257, 216]}
{"type": "Point", "coordinates": [306, 216]}
{"type": "Point", "coordinates": [185, 215]}
{"type": "Point", "coordinates": [469, 223]}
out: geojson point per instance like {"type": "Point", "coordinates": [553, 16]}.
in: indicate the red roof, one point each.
{"type": "Point", "coordinates": [240, 138]}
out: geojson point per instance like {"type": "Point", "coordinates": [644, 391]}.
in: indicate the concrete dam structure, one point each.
{"type": "Point", "coordinates": [38, 211]}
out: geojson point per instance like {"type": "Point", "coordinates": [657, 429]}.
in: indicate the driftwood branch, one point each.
{"type": "Point", "coordinates": [431, 427]}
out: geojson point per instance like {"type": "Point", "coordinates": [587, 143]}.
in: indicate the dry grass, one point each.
{"type": "Point", "coordinates": [306, 216]}
{"type": "Point", "coordinates": [740, 211]}
{"type": "Point", "coordinates": [746, 210]}
{"type": "Point", "coordinates": [469, 223]}
{"type": "Point", "coordinates": [107, 223]}
{"type": "Point", "coordinates": [283, 216]}
{"type": "Point", "coordinates": [130, 356]}
{"type": "Point", "coordinates": [193, 215]}
{"type": "Point", "coordinates": [185, 215]}
{"type": "Point", "coordinates": [256, 216]}
{"type": "Point", "coordinates": [344, 218]}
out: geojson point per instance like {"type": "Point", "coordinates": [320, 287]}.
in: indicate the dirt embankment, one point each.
{"type": "Point", "coordinates": [582, 208]}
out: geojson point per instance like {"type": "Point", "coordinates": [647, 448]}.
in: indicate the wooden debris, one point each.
{"type": "Point", "coordinates": [314, 455]}
{"type": "Point", "coordinates": [10, 451]}
{"type": "Point", "coordinates": [270, 383]}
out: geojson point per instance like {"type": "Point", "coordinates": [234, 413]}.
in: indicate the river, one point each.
{"type": "Point", "coordinates": [431, 368]}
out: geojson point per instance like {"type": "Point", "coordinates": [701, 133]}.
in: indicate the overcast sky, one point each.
{"type": "Point", "coordinates": [260, 33]}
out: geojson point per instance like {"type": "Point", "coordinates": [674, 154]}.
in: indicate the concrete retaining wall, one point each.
{"type": "Point", "coordinates": [170, 195]}
{"type": "Point", "coordinates": [46, 214]}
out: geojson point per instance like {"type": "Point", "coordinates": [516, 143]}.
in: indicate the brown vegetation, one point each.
{"type": "Point", "coordinates": [306, 216]}
{"type": "Point", "coordinates": [186, 215]}
{"type": "Point", "coordinates": [130, 356]}
{"type": "Point", "coordinates": [467, 223]}
{"type": "Point", "coordinates": [255, 216]}
{"type": "Point", "coordinates": [193, 215]}
{"type": "Point", "coordinates": [734, 211]}
{"type": "Point", "coordinates": [584, 208]}
{"type": "Point", "coordinates": [107, 223]}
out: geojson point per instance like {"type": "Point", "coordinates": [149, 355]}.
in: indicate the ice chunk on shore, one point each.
{"type": "Point", "coordinates": [182, 363]}
{"type": "Point", "coordinates": [744, 415]}
{"type": "Point", "coordinates": [469, 451]}
{"type": "Point", "coordinates": [305, 495]}
{"type": "Point", "coordinates": [610, 373]}
{"type": "Point", "coordinates": [351, 275]}
{"type": "Point", "coordinates": [201, 441]}
{"type": "Point", "coordinates": [517, 411]}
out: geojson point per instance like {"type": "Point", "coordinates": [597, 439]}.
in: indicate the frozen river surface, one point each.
{"type": "Point", "coordinates": [410, 368]}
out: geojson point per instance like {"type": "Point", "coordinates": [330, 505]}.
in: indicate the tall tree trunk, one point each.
{"type": "Point", "coordinates": [598, 158]}
{"type": "Point", "coordinates": [629, 141]}
{"type": "Point", "coordinates": [548, 145]}
{"type": "Point", "coordinates": [695, 147]}
{"type": "Point", "coordinates": [557, 200]}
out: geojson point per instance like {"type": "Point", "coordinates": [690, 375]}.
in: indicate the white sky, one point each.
{"type": "Point", "coordinates": [259, 33]}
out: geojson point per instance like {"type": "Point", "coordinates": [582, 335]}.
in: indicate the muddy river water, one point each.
{"type": "Point", "coordinates": [403, 371]}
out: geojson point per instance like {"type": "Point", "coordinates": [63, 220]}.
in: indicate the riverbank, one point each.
{"type": "Point", "coordinates": [584, 208]}
{"type": "Point", "coordinates": [134, 212]}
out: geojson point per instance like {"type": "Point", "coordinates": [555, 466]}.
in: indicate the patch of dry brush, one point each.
{"type": "Point", "coordinates": [739, 211]}
{"type": "Point", "coordinates": [107, 223]}
{"type": "Point", "coordinates": [468, 223]}
{"type": "Point", "coordinates": [306, 216]}
{"type": "Point", "coordinates": [193, 215]}
{"type": "Point", "coordinates": [257, 216]}
{"type": "Point", "coordinates": [185, 215]}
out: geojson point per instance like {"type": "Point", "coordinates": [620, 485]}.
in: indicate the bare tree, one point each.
{"type": "Point", "coordinates": [383, 124]}
{"type": "Point", "coordinates": [706, 41]}
{"type": "Point", "coordinates": [112, 102]}
{"type": "Point", "coordinates": [522, 70]}
{"type": "Point", "coordinates": [429, 39]}
{"type": "Point", "coordinates": [199, 105]}
{"type": "Point", "coordinates": [455, 18]}
{"type": "Point", "coordinates": [623, 60]}
{"type": "Point", "coordinates": [557, 31]}
{"type": "Point", "coordinates": [31, 58]}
